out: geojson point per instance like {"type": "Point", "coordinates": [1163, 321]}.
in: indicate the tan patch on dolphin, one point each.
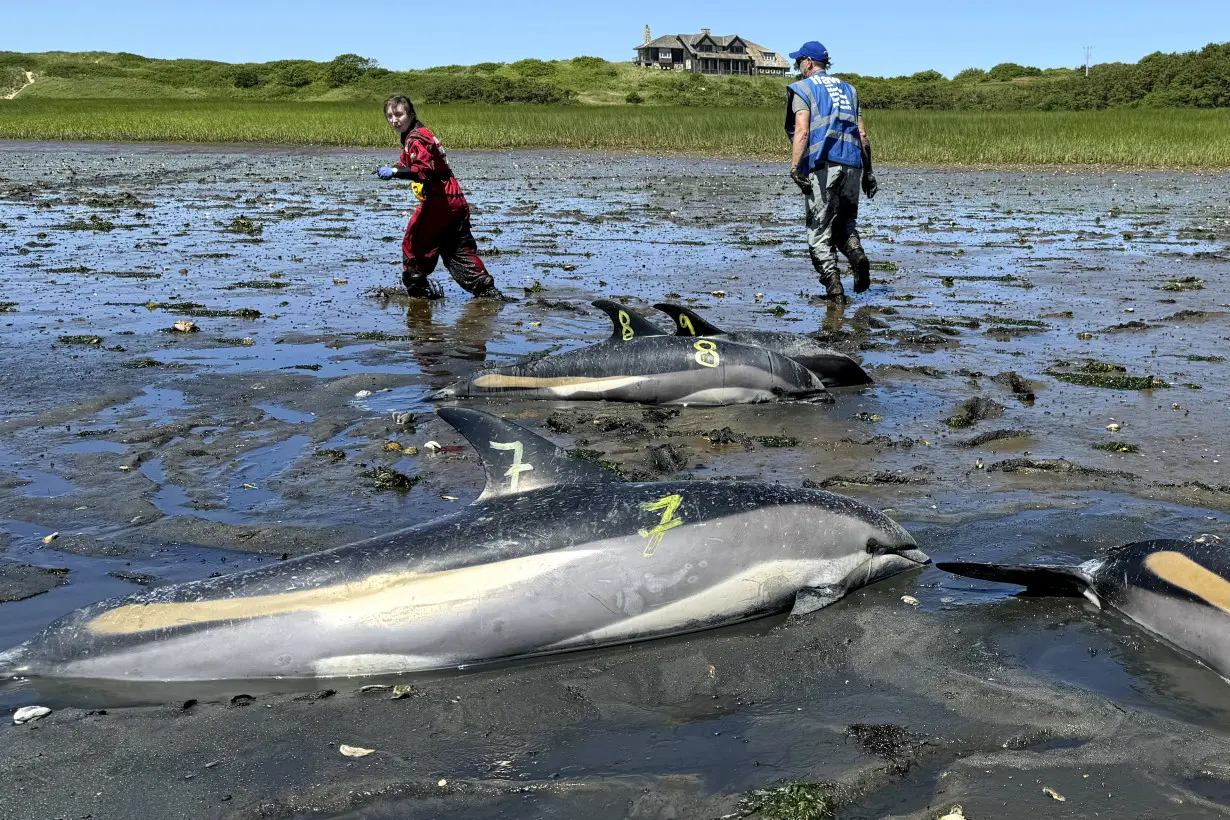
{"type": "Point", "coordinates": [382, 600]}
{"type": "Point", "coordinates": [490, 380]}
{"type": "Point", "coordinates": [1177, 569]}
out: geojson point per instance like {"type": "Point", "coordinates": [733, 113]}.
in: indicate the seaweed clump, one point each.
{"type": "Point", "coordinates": [974, 410]}
{"type": "Point", "coordinates": [385, 478]}
{"type": "Point", "coordinates": [792, 801]}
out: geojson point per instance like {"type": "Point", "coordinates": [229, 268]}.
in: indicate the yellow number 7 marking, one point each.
{"type": "Point", "coordinates": [667, 505]}
{"type": "Point", "coordinates": [513, 474]}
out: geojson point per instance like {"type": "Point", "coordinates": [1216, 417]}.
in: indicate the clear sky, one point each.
{"type": "Point", "coordinates": [877, 37]}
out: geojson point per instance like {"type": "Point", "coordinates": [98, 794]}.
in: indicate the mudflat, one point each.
{"type": "Point", "coordinates": [1049, 354]}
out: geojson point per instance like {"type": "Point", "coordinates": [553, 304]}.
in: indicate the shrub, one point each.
{"type": "Point", "coordinates": [634, 98]}
{"type": "Point", "coordinates": [927, 77]}
{"type": "Point", "coordinates": [344, 69]}
{"type": "Point", "coordinates": [533, 68]}
{"type": "Point", "coordinates": [488, 67]}
{"type": "Point", "coordinates": [247, 77]}
{"type": "Point", "coordinates": [294, 76]}
{"type": "Point", "coordinates": [1010, 71]}
{"type": "Point", "coordinates": [970, 75]}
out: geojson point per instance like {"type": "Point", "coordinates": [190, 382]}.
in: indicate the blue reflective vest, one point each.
{"type": "Point", "coordinates": [834, 121]}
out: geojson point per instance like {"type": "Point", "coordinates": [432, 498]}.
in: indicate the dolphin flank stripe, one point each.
{"type": "Point", "coordinates": [1177, 569]}
{"type": "Point", "coordinates": [503, 380]}
{"type": "Point", "coordinates": [387, 598]}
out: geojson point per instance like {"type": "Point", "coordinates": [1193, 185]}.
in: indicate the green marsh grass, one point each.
{"type": "Point", "coordinates": [1140, 138]}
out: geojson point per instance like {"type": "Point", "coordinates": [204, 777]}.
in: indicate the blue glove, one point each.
{"type": "Point", "coordinates": [384, 172]}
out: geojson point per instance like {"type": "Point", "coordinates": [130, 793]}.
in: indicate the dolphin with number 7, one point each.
{"type": "Point", "coordinates": [642, 363]}
{"type": "Point", "coordinates": [554, 555]}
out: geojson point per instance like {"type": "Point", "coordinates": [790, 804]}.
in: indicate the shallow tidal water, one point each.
{"type": "Point", "coordinates": [161, 456]}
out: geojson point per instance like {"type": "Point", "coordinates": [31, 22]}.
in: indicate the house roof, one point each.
{"type": "Point", "coordinates": [688, 42]}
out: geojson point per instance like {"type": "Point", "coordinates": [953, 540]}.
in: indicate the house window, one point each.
{"type": "Point", "coordinates": [768, 55]}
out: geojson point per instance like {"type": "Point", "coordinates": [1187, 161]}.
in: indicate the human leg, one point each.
{"type": "Point", "coordinates": [460, 253]}
{"type": "Point", "coordinates": [419, 252]}
{"type": "Point", "coordinates": [846, 230]}
{"type": "Point", "coordinates": [822, 205]}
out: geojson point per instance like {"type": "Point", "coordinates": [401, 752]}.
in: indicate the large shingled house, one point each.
{"type": "Point", "coordinates": [706, 54]}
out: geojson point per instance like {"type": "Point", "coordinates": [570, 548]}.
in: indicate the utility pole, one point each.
{"type": "Point", "coordinates": [1088, 55]}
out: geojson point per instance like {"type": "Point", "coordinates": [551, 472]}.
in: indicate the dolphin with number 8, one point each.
{"type": "Point", "coordinates": [555, 555]}
{"type": "Point", "coordinates": [642, 363]}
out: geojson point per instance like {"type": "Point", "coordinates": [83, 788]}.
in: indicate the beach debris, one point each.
{"type": "Point", "coordinates": [450, 498]}
{"type": "Point", "coordinates": [955, 813]}
{"type": "Point", "coordinates": [354, 751]}
{"type": "Point", "coordinates": [1114, 427]}
{"type": "Point", "coordinates": [28, 713]}
{"type": "Point", "coordinates": [363, 394]}
{"type": "Point", "coordinates": [374, 687]}
{"type": "Point", "coordinates": [909, 599]}
{"type": "Point", "coordinates": [974, 410]}
{"type": "Point", "coordinates": [401, 691]}
{"type": "Point", "coordinates": [720, 294]}
{"type": "Point", "coordinates": [341, 281]}
{"type": "Point", "coordinates": [185, 326]}
{"type": "Point", "coordinates": [249, 486]}
{"type": "Point", "coordinates": [392, 447]}
{"type": "Point", "coordinates": [442, 783]}
{"type": "Point", "coordinates": [433, 447]}
{"type": "Point", "coordinates": [47, 539]}
{"type": "Point", "coordinates": [403, 418]}
{"type": "Point", "coordinates": [1049, 792]}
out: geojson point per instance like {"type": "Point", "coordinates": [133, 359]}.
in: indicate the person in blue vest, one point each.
{"type": "Point", "coordinates": [830, 160]}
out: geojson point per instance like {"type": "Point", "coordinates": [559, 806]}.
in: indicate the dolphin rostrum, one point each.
{"type": "Point", "coordinates": [834, 369]}
{"type": "Point", "coordinates": [555, 555]}
{"type": "Point", "coordinates": [641, 363]}
{"type": "Point", "coordinates": [1176, 589]}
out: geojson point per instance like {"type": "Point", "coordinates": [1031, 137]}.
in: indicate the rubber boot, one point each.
{"type": "Point", "coordinates": [859, 264]}
{"type": "Point", "coordinates": [833, 290]}
{"type": "Point", "coordinates": [423, 288]}
{"type": "Point", "coordinates": [494, 294]}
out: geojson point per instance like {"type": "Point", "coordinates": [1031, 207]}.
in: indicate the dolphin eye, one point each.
{"type": "Point", "coordinates": [874, 545]}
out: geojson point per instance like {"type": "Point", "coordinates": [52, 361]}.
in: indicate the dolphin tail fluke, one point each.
{"type": "Point", "coordinates": [1038, 579]}
{"type": "Point", "coordinates": [628, 324]}
{"type": "Point", "coordinates": [688, 322]}
{"type": "Point", "coordinates": [845, 372]}
{"type": "Point", "coordinates": [516, 460]}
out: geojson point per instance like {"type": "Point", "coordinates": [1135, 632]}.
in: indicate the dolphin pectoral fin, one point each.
{"type": "Point", "coordinates": [628, 324]}
{"type": "Point", "coordinates": [687, 321]}
{"type": "Point", "coordinates": [1038, 579]}
{"type": "Point", "coordinates": [516, 460]}
{"type": "Point", "coordinates": [809, 599]}
{"type": "Point", "coordinates": [842, 372]}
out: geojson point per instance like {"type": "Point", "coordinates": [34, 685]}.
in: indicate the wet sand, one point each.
{"type": "Point", "coordinates": [161, 456]}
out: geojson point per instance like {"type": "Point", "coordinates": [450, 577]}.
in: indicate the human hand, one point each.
{"type": "Point", "coordinates": [801, 180]}
{"type": "Point", "coordinates": [384, 172]}
{"type": "Point", "coordinates": [870, 186]}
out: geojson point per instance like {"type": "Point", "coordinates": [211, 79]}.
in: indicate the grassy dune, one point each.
{"type": "Point", "coordinates": [1123, 137]}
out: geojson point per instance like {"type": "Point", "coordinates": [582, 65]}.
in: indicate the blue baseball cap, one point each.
{"type": "Point", "coordinates": [812, 50]}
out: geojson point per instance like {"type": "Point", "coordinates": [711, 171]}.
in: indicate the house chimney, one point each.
{"type": "Point", "coordinates": [648, 37]}
{"type": "Point", "coordinates": [705, 31]}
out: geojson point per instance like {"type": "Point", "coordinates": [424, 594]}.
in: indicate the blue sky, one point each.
{"type": "Point", "coordinates": [878, 37]}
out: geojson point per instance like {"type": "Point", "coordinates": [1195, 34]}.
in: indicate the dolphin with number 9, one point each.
{"type": "Point", "coordinates": [642, 363]}
{"type": "Point", "coordinates": [555, 555]}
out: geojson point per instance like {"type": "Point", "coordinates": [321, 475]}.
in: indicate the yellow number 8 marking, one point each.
{"type": "Point", "coordinates": [686, 324]}
{"type": "Point", "coordinates": [625, 322]}
{"type": "Point", "coordinates": [667, 505]}
{"type": "Point", "coordinates": [706, 353]}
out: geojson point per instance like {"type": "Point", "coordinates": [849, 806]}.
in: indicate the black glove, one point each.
{"type": "Point", "coordinates": [801, 180]}
{"type": "Point", "coordinates": [870, 186]}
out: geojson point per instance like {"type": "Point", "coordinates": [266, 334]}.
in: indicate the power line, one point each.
{"type": "Point", "coordinates": [1088, 56]}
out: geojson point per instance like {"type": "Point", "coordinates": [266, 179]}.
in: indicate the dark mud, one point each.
{"type": "Point", "coordinates": [163, 456]}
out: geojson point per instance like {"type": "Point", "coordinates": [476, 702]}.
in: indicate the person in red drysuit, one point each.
{"type": "Point", "coordinates": [440, 226]}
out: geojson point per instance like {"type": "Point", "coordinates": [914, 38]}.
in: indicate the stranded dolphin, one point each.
{"type": "Point", "coordinates": [555, 555]}
{"type": "Point", "coordinates": [834, 369]}
{"type": "Point", "coordinates": [641, 363]}
{"type": "Point", "coordinates": [1179, 590]}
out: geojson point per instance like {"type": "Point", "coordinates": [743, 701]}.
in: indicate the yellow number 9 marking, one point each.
{"type": "Point", "coordinates": [667, 505]}
{"type": "Point", "coordinates": [706, 353]}
{"type": "Point", "coordinates": [686, 324]}
{"type": "Point", "coordinates": [625, 322]}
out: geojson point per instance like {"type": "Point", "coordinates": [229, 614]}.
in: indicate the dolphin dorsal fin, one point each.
{"type": "Point", "coordinates": [688, 322]}
{"type": "Point", "coordinates": [516, 460]}
{"type": "Point", "coordinates": [628, 324]}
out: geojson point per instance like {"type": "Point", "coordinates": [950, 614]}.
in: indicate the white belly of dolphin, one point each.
{"type": "Point", "coordinates": [725, 395]}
